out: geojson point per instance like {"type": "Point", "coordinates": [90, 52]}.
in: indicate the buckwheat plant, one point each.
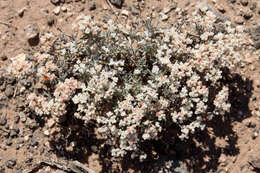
{"type": "Point", "coordinates": [135, 84]}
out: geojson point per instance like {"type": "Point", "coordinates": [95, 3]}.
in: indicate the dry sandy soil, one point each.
{"type": "Point", "coordinates": [232, 147]}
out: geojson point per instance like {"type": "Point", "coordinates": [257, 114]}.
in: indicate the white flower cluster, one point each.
{"type": "Point", "coordinates": [134, 94]}
{"type": "Point", "coordinates": [19, 66]}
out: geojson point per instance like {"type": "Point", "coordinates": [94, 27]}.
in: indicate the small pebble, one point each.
{"type": "Point", "coordinates": [46, 133]}
{"type": "Point", "coordinates": [50, 123]}
{"type": "Point", "coordinates": [55, 2]}
{"type": "Point", "coordinates": [9, 91]}
{"type": "Point", "coordinates": [4, 58]}
{"type": "Point", "coordinates": [21, 12]}
{"type": "Point", "coordinates": [50, 20]}
{"type": "Point", "coordinates": [3, 120]}
{"type": "Point", "coordinates": [244, 2]}
{"type": "Point", "coordinates": [26, 138]}
{"type": "Point", "coordinates": [125, 13]}
{"type": "Point", "coordinates": [220, 8]}
{"type": "Point", "coordinates": [94, 148]}
{"type": "Point", "coordinates": [239, 20]}
{"type": "Point", "coordinates": [164, 17]}
{"type": "Point", "coordinates": [56, 10]}
{"type": "Point", "coordinates": [253, 6]}
{"type": "Point", "coordinates": [250, 124]}
{"type": "Point", "coordinates": [10, 163]}
{"type": "Point", "coordinates": [247, 14]}
{"type": "Point", "coordinates": [254, 135]}
{"type": "Point", "coordinates": [8, 142]}
{"type": "Point", "coordinates": [92, 5]}
{"type": "Point", "coordinates": [34, 142]}
{"type": "Point", "coordinates": [117, 3]}
{"type": "Point", "coordinates": [32, 33]}
{"type": "Point", "coordinates": [64, 9]}
{"type": "Point", "coordinates": [16, 119]}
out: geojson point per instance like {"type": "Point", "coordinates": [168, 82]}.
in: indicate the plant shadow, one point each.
{"type": "Point", "coordinates": [198, 154]}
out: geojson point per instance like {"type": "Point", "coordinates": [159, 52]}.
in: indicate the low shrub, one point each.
{"type": "Point", "coordinates": [135, 84]}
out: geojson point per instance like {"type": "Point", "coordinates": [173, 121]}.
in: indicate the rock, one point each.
{"type": "Point", "coordinates": [8, 142]}
{"type": "Point", "coordinates": [64, 9]}
{"type": "Point", "coordinates": [233, 1]}
{"type": "Point", "coordinates": [167, 10]}
{"type": "Point", "coordinates": [117, 3]}
{"type": "Point", "coordinates": [55, 2]}
{"type": "Point", "coordinates": [21, 12]}
{"type": "Point", "coordinates": [220, 8]}
{"type": "Point", "coordinates": [28, 160]}
{"type": "Point", "coordinates": [135, 11]}
{"type": "Point", "coordinates": [3, 120]}
{"type": "Point", "coordinates": [206, 6]}
{"type": "Point", "coordinates": [2, 169]}
{"type": "Point", "coordinates": [234, 159]}
{"type": "Point", "coordinates": [26, 82]}
{"type": "Point", "coordinates": [94, 148]}
{"type": "Point", "coordinates": [92, 5]}
{"type": "Point", "coordinates": [239, 20]}
{"type": "Point", "coordinates": [257, 45]}
{"type": "Point", "coordinates": [9, 91]}
{"type": "Point", "coordinates": [23, 118]}
{"type": "Point", "coordinates": [32, 124]}
{"type": "Point", "coordinates": [125, 13]}
{"type": "Point", "coordinates": [255, 35]}
{"type": "Point", "coordinates": [255, 134]}
{"type": "Point", "coordinates": [10, 163]}
{"type": "Point", "coordinates": [2, 80]}
{"type": "Point", "coordinates": [247, 14]}
{"type": "Point", "coordinates": [244, 2]}
{"type": "Point", "coordinates": [11, 80]}
{"type": "Point", "coordinates": [34, 142]}
{"type": "Point", "coordinates": [50, 20]}
{"type": "Point", "coordinates": [14, 132]}
{"type": "Point", "coordinates": [56, 10]}
{"type": "Point", "coordinates": [164, 17]}
{"type": "Point", "coordinates": [50, 123]}
{"type": "Point", "coordinates": [254, 160]}
{"type": "Point", "coordinates": [32, 33]}
{"type": "Point", "coordinates": [255, 32]}
{"type": "Point", "coordinates": [4, 58]}
{"type": "Point", "coordinates": [46, 133]}
{"type": "Point", "coordinates": [26, 138]}
{"type": "Point", "coordinates": [16, 119]}
{"type": "Point", "coordinates": [250, 124]}
{"type": "Point", "coordinates": [253, 6]}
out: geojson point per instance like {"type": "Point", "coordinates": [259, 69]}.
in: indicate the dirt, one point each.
{"type": "Point", "coordinates": [227, 149]}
